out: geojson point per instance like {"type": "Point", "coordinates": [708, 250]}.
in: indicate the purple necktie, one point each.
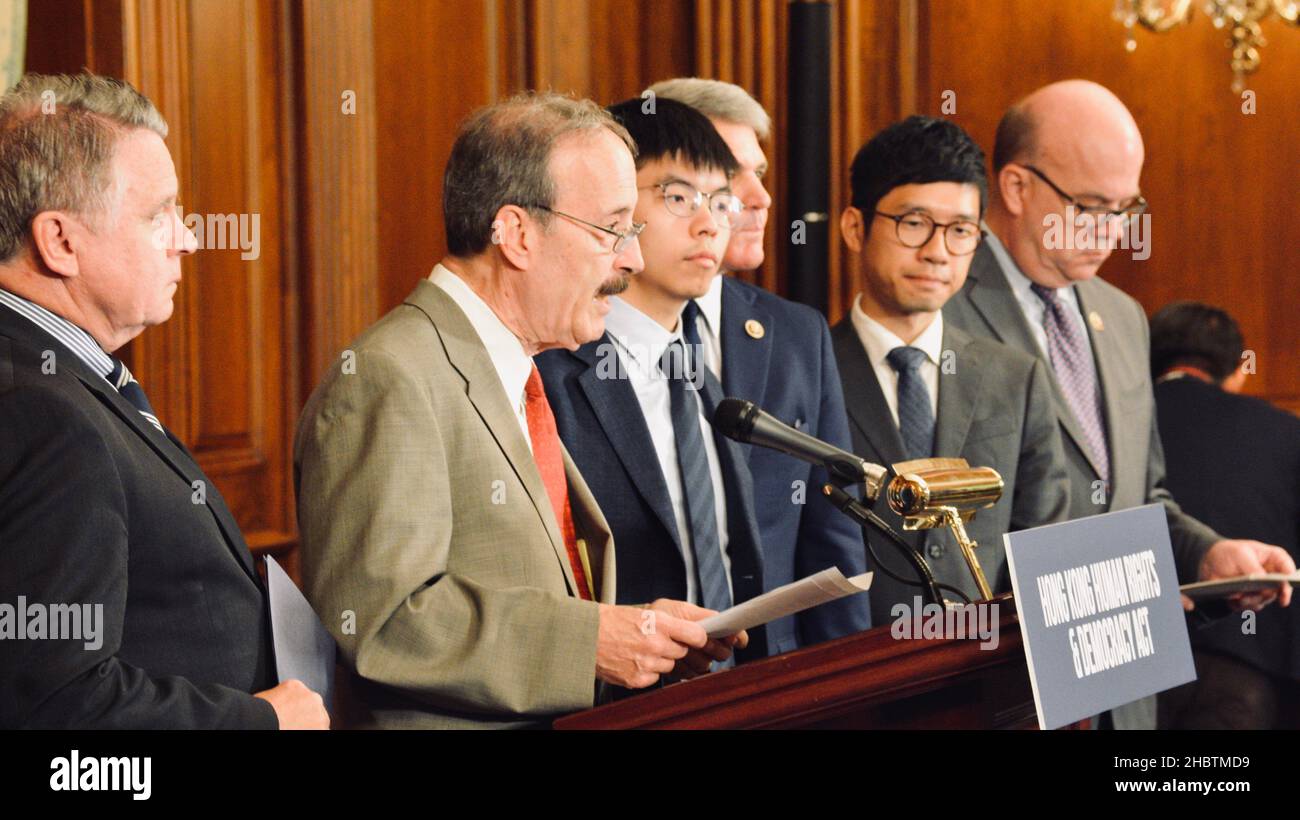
{"type": "Point", "coordinates": [1071, 357]}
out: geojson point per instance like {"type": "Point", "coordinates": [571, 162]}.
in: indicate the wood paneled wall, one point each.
{"type": "Point", "coordinates": [349, 197]}
{"type": "Point", "coordinates": [1222, 184]}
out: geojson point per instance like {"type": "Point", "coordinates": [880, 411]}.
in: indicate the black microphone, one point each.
{"type": "Point", "coordinates": [745, 422]}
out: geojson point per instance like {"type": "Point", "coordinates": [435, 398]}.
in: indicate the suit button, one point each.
{"type": "Point", "coordinates": [936, 550]}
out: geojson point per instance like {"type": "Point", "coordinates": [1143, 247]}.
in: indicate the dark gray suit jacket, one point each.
{"type": "Point", "coordinates": [994, 410]}
{"type": "Point", "coordinates": [987, 307]}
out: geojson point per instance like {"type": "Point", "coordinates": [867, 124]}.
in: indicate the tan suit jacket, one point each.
{"type": "Point", "coordinates": [429, 546]}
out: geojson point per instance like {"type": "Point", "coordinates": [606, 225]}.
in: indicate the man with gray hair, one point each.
{"type": "Point", "coordinates": [777, 354]}
{"type": "Point", "coordinates": [448, 540]}
{"type": "Point", "coordinates": [97, 498]}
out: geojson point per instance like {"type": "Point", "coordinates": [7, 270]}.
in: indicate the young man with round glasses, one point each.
{"type": "Point", "coordinates": [634, 407]}
{"type": "Point", "coordinates": [918, 387]}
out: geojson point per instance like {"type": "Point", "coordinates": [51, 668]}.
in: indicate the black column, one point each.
{"type": "Point", "coordinates": [808, 165]}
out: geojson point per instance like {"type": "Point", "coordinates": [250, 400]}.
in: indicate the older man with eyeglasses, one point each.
{"type": "Point", "coordinates": [1072, 150]}
{"type": "Point", "coordinates": [448, 540]}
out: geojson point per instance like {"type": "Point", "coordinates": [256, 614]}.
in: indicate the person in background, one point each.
{"type": "Point", "coordinates": [1233, 461]}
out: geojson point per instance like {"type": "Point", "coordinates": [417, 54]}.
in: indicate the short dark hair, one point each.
{"type": "Point", "coordinates": [1196, 335]}
{"type": "Point", "coordinates": [667, 129]}
{"type": "Point", "coordinates": [502, 157]}
{"type": "Point", "coordinates": [916, 151]}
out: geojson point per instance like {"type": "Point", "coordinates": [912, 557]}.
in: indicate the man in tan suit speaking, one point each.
{"type": "Point", "coordinates": [448, 542]}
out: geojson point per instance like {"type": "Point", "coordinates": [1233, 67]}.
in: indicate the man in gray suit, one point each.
{"type": "Point", "coordinates": [916, 387]}
{"type": "Point", "coordinates": [1067, 162]}
{"type": "Point", "coordinates": [448, 540]}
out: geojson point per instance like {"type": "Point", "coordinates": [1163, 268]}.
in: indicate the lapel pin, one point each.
{"type": "Point", "coordinates": [1094, 319]}
{"type": "Point", "coordinates": [755, 329]}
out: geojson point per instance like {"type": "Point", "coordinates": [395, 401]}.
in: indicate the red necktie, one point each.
{"type": "Point", "coordinates": [550, 463]}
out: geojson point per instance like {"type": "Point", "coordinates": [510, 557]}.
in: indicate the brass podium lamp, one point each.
{"type": "Point", "coordinates": [945, 492]}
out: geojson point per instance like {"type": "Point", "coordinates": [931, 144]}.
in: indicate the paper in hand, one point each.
{"type": "Point", "coordinates": [1224, 587]}
{"type": "Point", "coordinates": [827, 585]}
{"type": "Point", "coordinates": [304, 649]}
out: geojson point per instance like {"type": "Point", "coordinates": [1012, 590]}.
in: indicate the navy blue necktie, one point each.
{"type": "Point", "coordinates": [691, 331]}
{"type": "Point", "coordinates": [131, 390]}
{"type": "Point", "coordinates": [697, 481]}
{"type": "Point", "coordinates": [915, 415]}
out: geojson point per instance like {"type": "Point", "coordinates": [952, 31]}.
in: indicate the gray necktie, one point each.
{"type": "Point", "coordinates": [1071, 356]}
{"type": "Point", "coordinates": [915, 415]}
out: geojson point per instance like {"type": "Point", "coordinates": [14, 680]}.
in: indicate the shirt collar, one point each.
{"type": "Point", "coordinates": [1020, 283]}
{"type": "Point", "coordinates": [512, 364]}
{"type": "Point", "coordinates": [637, 334]}
{"type": "Point", "coordinates": [81, 343]}
{"type": "Point", "coordinates": [711, 305]}
{"type": "Point", "coordinates": [878, 340]}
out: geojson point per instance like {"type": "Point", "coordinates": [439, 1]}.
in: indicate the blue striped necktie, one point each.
{"type": "Point", "coordinates": [697, 480]}
{"type": "Point", "coordinates": [915, 415]}
{"type": "Point", "coordinates": [131, 390]}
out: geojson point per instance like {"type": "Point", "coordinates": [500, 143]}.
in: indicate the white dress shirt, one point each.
{"type": "Point", "coordinates": [878, 340]}
{"type": "Point", "coordinates": [641, 342]}
{"type": "Point", "coordinates": [512, 364]}
{"type": "Point", "coordinates": [1030, 305]}
{"type": "Point", "coordinates": [710, 327]}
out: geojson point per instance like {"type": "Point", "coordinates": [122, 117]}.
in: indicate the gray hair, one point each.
{"type": "Point", "coordinates": [717, 101]}
{"type": "Point", "coordinates": [58, 134]}
{"type": "Point", "coordinates": [502, 157]}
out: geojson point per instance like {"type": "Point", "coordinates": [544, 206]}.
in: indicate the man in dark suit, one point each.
{"type": "Point", "coordinates": [633, 407]}
{"type": "Point", "coordinates": [917, 387]}
{"type": "Point", "coordinates": [777, 354]}
{"type": "Point", "coordinates": [1066, 165]}
{"type": "Point", "coordinates": [1233, 461]}
{"type": "Point", "coordinates": [128, 598]}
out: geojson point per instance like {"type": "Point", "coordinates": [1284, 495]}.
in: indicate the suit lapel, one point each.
{"type": "Point", "coordinates": [991, 296]}
{"type": "Point", "coordinates": [466, 353]}
{"type": "Point", "coordinates": [167, 448]}
{"type": "Point", "coordinates": [614, 403]}
{"type": "Point", "coordinates": [594, 531]}
{"type": "Point", "coordinates": [959, 393]}
{"type": "Point", "coordinates": [744, 358]}
{"type": "Point", "coordinates": [866, 405]}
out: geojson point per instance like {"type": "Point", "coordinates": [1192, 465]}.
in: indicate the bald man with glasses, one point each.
{"type": "Point", "coordinates": [1036, 289]}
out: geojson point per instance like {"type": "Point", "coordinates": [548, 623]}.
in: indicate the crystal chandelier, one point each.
{"type": "Point", "coordinates": [1240, 17]}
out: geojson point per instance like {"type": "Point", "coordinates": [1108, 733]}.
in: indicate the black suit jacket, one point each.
{"type": "Point", "coordinates": [1234, 463]}
{"type": "Point", "coordinates": [97, 507]}
{"type": "Point", "coordinates": [601, 425]}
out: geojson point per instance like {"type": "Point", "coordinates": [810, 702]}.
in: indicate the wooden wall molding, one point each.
{"type": "Point", "coordinates": [340, 203]}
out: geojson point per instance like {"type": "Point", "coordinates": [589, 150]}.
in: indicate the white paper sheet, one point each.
{"type": "Point", "coordinates": [827, 585]}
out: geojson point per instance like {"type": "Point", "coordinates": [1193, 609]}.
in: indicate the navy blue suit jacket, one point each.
{"type": "Point", "coordinates": [790, 372]}
{"type": "Point", "coordinates": [601, 425]}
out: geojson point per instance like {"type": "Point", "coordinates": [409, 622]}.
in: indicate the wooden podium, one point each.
{"type": "Point", "coordinates": [864, 681]}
